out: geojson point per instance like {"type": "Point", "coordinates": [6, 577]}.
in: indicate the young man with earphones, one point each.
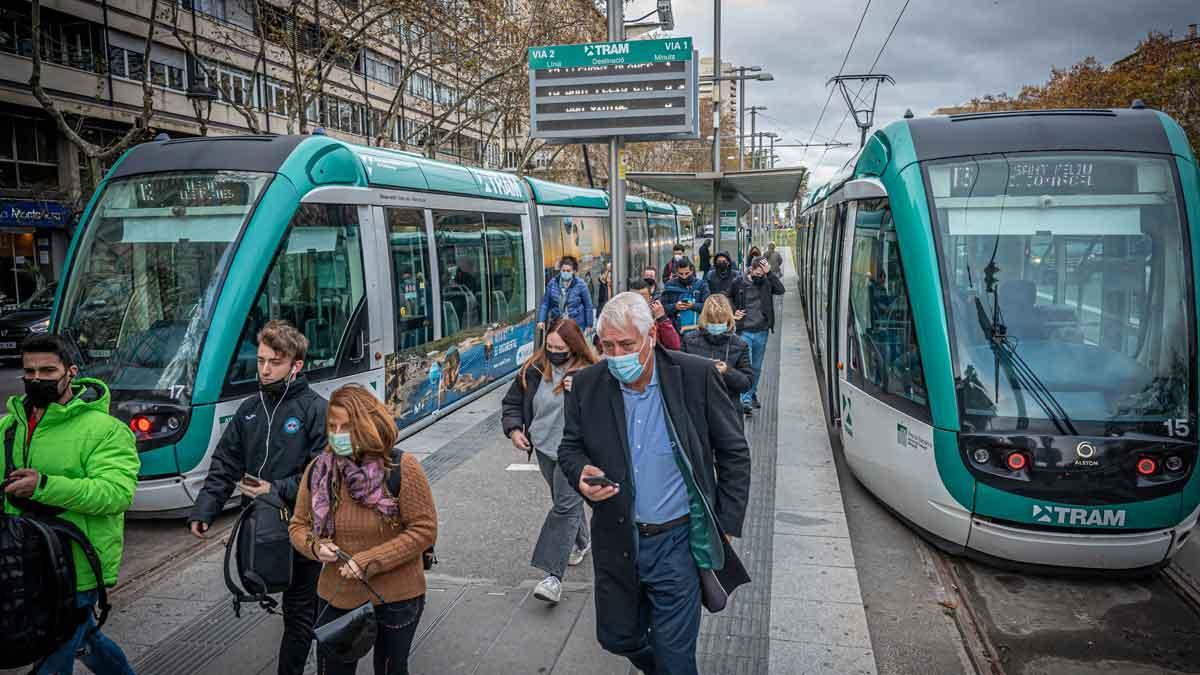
{"type": "Point", "coordinates": [265, 449]}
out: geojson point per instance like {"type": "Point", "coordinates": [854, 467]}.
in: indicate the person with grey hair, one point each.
{"type": "Point", "coordinates": [652, 440]}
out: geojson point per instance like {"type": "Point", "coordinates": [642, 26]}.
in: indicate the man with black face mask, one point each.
{"type": "Point", "coordinates": [266, 447]}
{"type": "Point", "coordinates": [753, 298]}
{"type": "Point", "coordinates": [721, 277]}
{"type": "Point", "coordinates": [71, 457]}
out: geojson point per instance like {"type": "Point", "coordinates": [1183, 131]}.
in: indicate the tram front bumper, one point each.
{"type": "Point", "coordinates": [1107, 551]}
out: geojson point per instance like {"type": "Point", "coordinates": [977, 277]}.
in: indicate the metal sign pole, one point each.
{"type": "Point", "coordinates": [616, 173]}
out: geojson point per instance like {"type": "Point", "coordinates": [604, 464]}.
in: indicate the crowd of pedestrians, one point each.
{"type": "Point", "coordinates": [647, 430]}
{"type": "Point", "coordinates": [652, 438]}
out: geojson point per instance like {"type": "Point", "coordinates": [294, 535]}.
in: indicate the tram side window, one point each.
{"type": "Point", "coordinates": [884, 357]}
{"type": "Point", "coordinates": [462, 265]}
{"type": "Point", "coordinates": [552, 245]}
{"type": "Point", "coordinates": [316, 283]}
{"type": "Point", "coordinates": [506, 262]}
{"type": "Point", "coordinates": [410, 274]}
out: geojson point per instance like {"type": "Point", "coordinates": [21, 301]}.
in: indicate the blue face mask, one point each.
{"type": "Point", "coordinates": [341, 443]}
{"type": "Point", "coordinates": [565, 276]}
{"type": "Point", "coordinates": [626, 367]}
{"type": "Point", "coordinates": [716, 328]}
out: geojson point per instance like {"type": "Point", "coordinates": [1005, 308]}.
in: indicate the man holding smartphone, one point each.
{"type": "Point", "coordinates": [265, 448]}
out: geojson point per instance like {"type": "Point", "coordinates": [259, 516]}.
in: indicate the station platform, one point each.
{"type": "Point", "coordinates": [803, 613]}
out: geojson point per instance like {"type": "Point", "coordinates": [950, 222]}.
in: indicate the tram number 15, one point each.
{"type": "Point", "coordinates": [1179, 428]}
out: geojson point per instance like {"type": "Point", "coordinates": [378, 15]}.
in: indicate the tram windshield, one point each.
{"type": "Point", "coordinates": [147, 273]}
{"type": "Point", "coordinates": [1068, 292]}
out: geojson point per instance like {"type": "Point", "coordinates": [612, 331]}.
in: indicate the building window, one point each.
{"type": "Point", "coordinates": [378, 68]}
{"type": "Point", "coordinates": [233, 84]}
{"type": "Point", "coordinates": [213, 8]}
{"type": "Point", "coordinates": [28, 154]}
{"type": "Point", "coordinates": [127, 63]}
{"type": "Point", "coordinates": [66, 40]}
{"type": "Point", "coordinates": [278, 95]}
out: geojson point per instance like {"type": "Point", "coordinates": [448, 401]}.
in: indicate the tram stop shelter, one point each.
{"type": "Point", "coordinates": [732, 190]}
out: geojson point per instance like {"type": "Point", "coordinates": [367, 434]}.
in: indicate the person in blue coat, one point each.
{"type": "Point", "coordinates": [684, 296]}
{"type": "Point", "coordinates": [567, 295]}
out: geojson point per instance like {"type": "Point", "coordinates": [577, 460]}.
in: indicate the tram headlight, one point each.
{"type": "Point", "coordinates": [982, 456]}
{"type": "Point", "coordinates": [1173, 463]}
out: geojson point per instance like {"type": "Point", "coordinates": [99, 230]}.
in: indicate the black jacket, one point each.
{"type": "Point", "coordinates": [516, 410]}
{"type": "Point", "coordinates": [718, 282]}
{"type": "Point", "coordinates": [726, 347]}
{"type": "Point", "coordinates": [772, 286]}
{"type": "Point", "coordinates": [595, 433]}
{"type": "Point", "coordinates": [705, 258]}
{"type": "Point", "coordinates": [296, 433]}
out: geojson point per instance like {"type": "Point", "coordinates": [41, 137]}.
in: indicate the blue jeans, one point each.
{"type": "Point", "coordinates": [669, 606]}
{"type": "Point", "coordinates": [757, 340]}
{"type": "Point", "coordinates": [100, 654]}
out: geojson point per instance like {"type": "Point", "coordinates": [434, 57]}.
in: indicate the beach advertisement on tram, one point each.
{"type": "Point", "coordinates": [421, 382]}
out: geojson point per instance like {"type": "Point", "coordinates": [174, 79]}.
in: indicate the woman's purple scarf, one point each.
{"type": "Point", "coordinates": [364, 483]}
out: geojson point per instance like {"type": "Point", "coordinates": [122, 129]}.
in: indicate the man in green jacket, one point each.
{"type": "Point", "coordinates": [70, 454]}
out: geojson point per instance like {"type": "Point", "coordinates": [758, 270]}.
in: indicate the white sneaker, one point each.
{"type": "Point", "coordinates": [548, 589]}
{"type": "Point", "coordinates": [578, 555]}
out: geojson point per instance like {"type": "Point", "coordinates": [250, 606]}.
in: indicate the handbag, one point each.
{"type": "Point", "coordinates": [717, 585]}
{"type": "Point", "coordinates": [349, 637]}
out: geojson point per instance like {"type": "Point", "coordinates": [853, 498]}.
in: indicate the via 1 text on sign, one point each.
{"type": "Point", "coordinates": [641, 90]}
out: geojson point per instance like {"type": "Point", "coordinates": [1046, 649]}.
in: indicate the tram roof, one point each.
{"type": "Point", "coordinates": [1104, 130]}
{"type": "Point", "coordinates": [557, 194]}
{"type": "Point", "coordinates": [269, 154]}
{"type": "Point", "coordinates": [682, 210]}
{"type": "Point", "coordinates": [655, 206]}
{"type": "Point", "coordinates": [635, 203]}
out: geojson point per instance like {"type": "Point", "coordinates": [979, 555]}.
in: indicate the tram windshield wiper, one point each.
{"type": "Point", "coordinates": [1019, 372]}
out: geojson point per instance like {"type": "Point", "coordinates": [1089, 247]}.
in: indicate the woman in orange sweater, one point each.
{"type": "Point", "coordinates": [344, 506]}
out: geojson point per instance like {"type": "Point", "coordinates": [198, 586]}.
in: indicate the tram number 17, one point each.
{"type": "Point", "coordinates": [1180, 427]}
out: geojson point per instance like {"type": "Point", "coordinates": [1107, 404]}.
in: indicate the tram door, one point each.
{"type": "Point", "coordinates": [836, 295]}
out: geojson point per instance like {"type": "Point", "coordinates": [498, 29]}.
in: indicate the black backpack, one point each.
{"type": "Point", "coordinates": [37, 572]}
{"type": "Point", "coordinates": [263, 553]}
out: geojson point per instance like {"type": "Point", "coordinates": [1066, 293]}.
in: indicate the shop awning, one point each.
{"type": "Point", "coordinates": [739, 189]}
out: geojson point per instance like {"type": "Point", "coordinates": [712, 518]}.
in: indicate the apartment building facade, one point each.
{"type": "Point", "coordinates": [224, 67]}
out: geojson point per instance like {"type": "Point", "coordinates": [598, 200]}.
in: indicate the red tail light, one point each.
{"type": "Point", "coordinates": [1016, 461]}
{"type": "Point", "coordinates": [1146, 466]}
{"type": "Point", "coordinates": [141, 424]}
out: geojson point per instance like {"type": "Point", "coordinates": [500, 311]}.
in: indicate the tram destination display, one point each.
{"type": "Point", "coordinates": [641, 90]}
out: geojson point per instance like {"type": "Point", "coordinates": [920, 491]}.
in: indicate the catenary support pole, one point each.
{"type": "Point", "coordinates": [616, 181]}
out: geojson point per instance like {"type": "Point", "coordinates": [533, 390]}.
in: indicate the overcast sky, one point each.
{"type": "Point", "coordinates": [943, 52]}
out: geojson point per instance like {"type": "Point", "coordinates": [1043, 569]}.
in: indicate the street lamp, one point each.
{"type": "Point", "coordinates": [201, 95]}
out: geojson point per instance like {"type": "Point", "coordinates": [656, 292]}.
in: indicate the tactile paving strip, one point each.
{"type": "Point", "coordinates": [737, 641]}
{"type": "Point", "coordinates": [194, 645]}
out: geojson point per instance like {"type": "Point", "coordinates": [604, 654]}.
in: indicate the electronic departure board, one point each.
{"type": "Point", "coordinates": [1060, 175]}
{"type": "Point", "coordinates": [191, 190]}
{"type": "Point", "coordinates": [640, 90]}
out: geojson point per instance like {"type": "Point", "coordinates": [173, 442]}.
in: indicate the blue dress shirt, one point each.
{"type": "Point", "coordinates": [660, 494]}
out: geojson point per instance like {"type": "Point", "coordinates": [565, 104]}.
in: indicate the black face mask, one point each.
{"type": "Point", "coordinates": [651, 281]}
{"type": "Point", "coordinates": [759, 280]}
{"type": "Point", "coordinates": [558, 358]}
{"type": "Point", "coordinates": [41, 393]}
{"type": "Point", "coordinates": [722, 267]}
{"type": "Point", "coordinates": [277, 388]}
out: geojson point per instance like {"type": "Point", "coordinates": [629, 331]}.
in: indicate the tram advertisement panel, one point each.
{"type": "Point", "coordinates": [426, 379]}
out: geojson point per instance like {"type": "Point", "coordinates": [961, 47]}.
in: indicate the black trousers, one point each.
{"type": "Point", "coordinates": [397, 623]}
{"type": "Point", "coordinates": [299, 615]}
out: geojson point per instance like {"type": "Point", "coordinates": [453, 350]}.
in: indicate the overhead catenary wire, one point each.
{"type": "Point", "coordinates": [870, 71]}
{"type": "Point", "coordinates": [845, 58]}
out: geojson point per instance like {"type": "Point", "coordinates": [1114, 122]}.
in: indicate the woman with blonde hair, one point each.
{"type": "Point", "coordinates": [347, 517]}
{"type": "Point", "coordinates": [532, 417]}
{"type": "Point", "coordinates": [716, 340]}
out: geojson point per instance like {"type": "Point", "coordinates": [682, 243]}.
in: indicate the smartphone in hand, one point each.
{"type": "Point", "coordinates": [600, 481]}
{"type": "Point", "coordinates": [251, 481]}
